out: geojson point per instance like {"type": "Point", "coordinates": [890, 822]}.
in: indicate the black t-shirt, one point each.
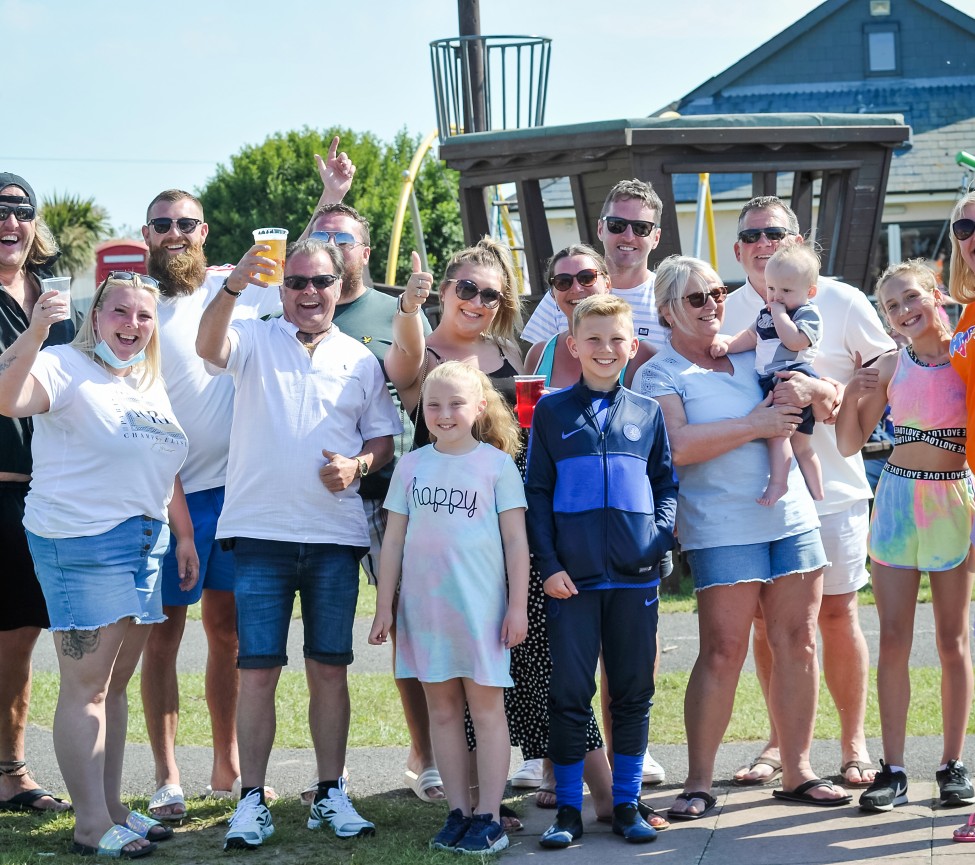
{"type": "Point", "coordinates": [15, 433]}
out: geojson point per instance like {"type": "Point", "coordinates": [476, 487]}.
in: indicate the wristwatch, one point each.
{"type": "Point", "coordinates": [229, 290]}
{"type": "Point", "coordinates": [363, 466]}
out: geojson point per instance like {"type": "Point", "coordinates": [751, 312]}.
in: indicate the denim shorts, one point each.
{"type": "Point", "coordinates": [326, 576]}
{"type": "Point", "coordinates": [216, 565]}
{"type": "Point", "coordinates": [95, 581]}
{"type": "Point", "coordinates": [762, 563]}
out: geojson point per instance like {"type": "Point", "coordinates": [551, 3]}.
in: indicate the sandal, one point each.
{"type": "Point", "coordinates": [26, 800]}
{"type": "Point", "coordinates": [168, 796]}
{"type": "Point", "coordinates": [967, 832]}
{"type": "Point", "coordinates": [770, 778]}
{"type": "Point", "coordinates": [545, 798]}
{"type": "Point", "coordinates": [112, 844]}
{"type": "Point", "coordinates": [510, 820]}
{"type": "Point", "coordinates": [861, 767]}
{"type": "Point", "coordinates": [146, 827]}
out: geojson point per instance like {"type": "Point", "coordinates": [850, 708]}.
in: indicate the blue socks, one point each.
{"type": "Point", "coordinates": [568, 784]}
{"type": "Point", "coordinates": [627, 778]}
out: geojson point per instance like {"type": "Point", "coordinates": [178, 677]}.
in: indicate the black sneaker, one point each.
{"type": "Point", "coordinates": [955, 785]}
{"type": "Point", "coordinates": [453, 830]}
{"type": "Point", "coordinates": [483, 835]}
{"type": "Point", "coordinates": [887, 790]}
{"type": "Point", "coordinates": [628, 823]}
{"type": "Point", "coordinates": [566, 829]}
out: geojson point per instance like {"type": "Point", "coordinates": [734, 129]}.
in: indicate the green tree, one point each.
{"type": "Point", "coordinates": [276, 183]}
{"type": "Point", "coordinates": [78, 225]}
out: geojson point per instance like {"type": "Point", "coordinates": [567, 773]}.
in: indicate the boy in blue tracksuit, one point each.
{"type": "Point", "coordinates": [601, 504]}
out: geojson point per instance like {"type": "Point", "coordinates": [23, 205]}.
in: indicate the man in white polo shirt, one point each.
{"type": "Point", "coordinates": [850, 324]}
{"type": "Point", "coordinates": [312, 415]}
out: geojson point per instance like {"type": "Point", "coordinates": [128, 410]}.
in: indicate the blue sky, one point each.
{"type": "Point", "coordinates": [117, 100]}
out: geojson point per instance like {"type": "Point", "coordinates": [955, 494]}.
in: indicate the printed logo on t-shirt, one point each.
{"type": "Point", "coordinates": [643, 331]}
{"type": "Point", "coordinates": [150, 424]}
{"type": "Point", "coordinates": [440, 497]}
{"type": "Point", "coordinates": [959, 342]}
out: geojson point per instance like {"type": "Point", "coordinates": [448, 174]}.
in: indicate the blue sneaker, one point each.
{"type": "Point", "coordinates": [628, 823]}
{"type": "Point", "coordinates": [483, 835]}
{"type": "Point", "coordinates": [566, 829]}
{"type": "Point", "coordinates": [453, 830]}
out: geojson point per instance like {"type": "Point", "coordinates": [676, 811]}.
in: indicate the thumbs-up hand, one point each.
{"type": "Point", "coordinates": [864, 380]}
{"type": "Point", "coordinates": [338, 472]}
{"type": "Point", "coordinates": [417, 288]}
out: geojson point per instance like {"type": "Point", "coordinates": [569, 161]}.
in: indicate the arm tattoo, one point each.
{"type": "Point", "coordinates": [6, 363]}
{"type": "Point", "coordinates": [77, 644]}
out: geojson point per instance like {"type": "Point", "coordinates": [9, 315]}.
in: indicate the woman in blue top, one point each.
{"type": "Point", "coordinates": [741, 554]}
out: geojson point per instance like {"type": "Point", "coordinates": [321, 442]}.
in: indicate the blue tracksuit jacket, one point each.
{"type": "Point", "coordinates": [601, 502]}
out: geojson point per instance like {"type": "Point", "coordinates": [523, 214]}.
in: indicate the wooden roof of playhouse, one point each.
{"type": "Point", "coordinates": [841, 161]}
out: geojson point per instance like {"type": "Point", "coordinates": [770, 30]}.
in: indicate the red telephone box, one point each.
{"type": "Point", "coordinates": [120, 255]}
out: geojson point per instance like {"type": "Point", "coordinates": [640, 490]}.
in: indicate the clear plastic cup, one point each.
{"type": "Point", "coordinates": [277, 239]}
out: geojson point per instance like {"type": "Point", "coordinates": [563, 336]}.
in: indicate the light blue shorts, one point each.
{"type": "Point", "coordinates": [757, 563]}
{"type": "Point", "coordinates": [95, 581]}
{"type": "Point", "coordinates": [216, 564]}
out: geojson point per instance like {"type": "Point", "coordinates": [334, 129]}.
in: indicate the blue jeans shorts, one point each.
{"type": "Point", "coordinates": [95, 581]}
{"type": "Point", "coordinates": [216, 565]}
{"type": "Point", "coordinates": [326, 576]}
{"type": "Point", "coordinates": [762, 563]}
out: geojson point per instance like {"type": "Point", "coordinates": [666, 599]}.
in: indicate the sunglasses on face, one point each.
{"type": "Point", "coordinates": [773, 233]}
{"type": "Point", "coordinates": [963, 228]}
{"type": "Point", "coordinates": [300, 283]}
{"type": "Point", "coordinates": [467, 290]}
{"type": "Point", "coordinates": [699, 298]}
{"type": "Point", "coordinates": [617, 225]}
{"type": "Point", "coordinates": [163, 224]}
{"type": "Point", "coordinates": [563, 281]}
{"type": "Point", "coordinates": [339, 238]}
{"type": "Point", "coordinates": [23, 212]}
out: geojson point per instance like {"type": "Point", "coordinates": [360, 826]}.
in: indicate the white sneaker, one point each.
{"type": "Point", "coordinates": [653, 772]}
{"type": "Point", "coordinates": [250, 824]}
{"type": "Point", "coordinates": [337, 810]}
{"type": "Point", "coordinates": [528, 774]}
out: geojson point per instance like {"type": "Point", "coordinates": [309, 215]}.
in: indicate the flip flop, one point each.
{"type": "Point", "coordinates": [861, 767]}
{"type": "Point", "coordinates": [552, 805]}
{"type": "Point", "coordinates": [147, 827]}
{"type": "Point", "coordinates": [419, 784]}
{"type": "Point", "coordinates": [111, 845]}
{"type": "Point", "coordinates": [709, 804]}
{"type": "Point", "coordinates": [967, 832]}
{"type": "Point", "coordinates": [168, 794]}
{"type": "Point", "coordinates": [801, 794]}
{"type": "Point", "coordinates": [657, 821]}
{"type": "Point", "coordinates": [510, 819]}
{"type": "Point", "coordinates": [25, 801]}
{"type": "Point", "coordinates": [771, 778]}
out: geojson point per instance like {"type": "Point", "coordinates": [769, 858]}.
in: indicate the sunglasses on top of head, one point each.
{"type": "Point", "coordinates": [23, 212]}
{"type": "Point", "coordinates": [617, 225]}
{"type": "Point", "coordinates": [185, 224]}
{"type": "Point", "coordinates": [774, 233]}
{"type": "Point", "coordinates": [699, 298]}
{"type": "Point", "coordinates": [300, 283]}
{"type": "Point", "coordinates": [563, 281]}
{"type": "Point", "coordinates": [963, 228]}
{"type": "Point", "coordinates": [467, 290]}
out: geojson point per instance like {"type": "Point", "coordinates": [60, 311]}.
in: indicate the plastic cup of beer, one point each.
{"type": "Point", "coordinates": [277, 239]}
{"type": "Point", "coordinates": [528, 391]}
{"type": "Point", "coordinates": [60, 284]}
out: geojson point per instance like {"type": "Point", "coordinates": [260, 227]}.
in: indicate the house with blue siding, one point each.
{"type": "Point", "coordinates": [910, 57]}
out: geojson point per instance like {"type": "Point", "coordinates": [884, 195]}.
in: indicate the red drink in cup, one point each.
{"type": "Point", "coordinates": [528, 391]}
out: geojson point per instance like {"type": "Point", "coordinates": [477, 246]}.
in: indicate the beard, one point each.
{"type": "Point", "coordinates": [178, 275]}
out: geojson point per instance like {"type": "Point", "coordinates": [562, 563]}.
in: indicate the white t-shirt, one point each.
{"type": "Point", "coordinates": [716, 500]}
{"type": "Point", "coordinates": [203, 403]}
{"type": "Point", "coordinates": [850, 324]}
{"type": "Point", "coordinates": [548, 320]}
{"type": "Point", "coordinates": [105, 452]}
{"type": "Point", "coordinates": [289, 406]}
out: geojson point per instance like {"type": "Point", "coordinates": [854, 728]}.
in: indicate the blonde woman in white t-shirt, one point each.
{"type": "Point", "coordinates": [106, 451]}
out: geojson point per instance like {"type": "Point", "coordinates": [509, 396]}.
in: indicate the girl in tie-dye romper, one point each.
{"type": "Point", "coordinates": [456, 527]}
{"type": "Point", "coordinates": [922, 521]}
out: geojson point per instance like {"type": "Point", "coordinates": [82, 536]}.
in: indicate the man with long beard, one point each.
{"type": "Point", "coordinates": [175, 232]}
